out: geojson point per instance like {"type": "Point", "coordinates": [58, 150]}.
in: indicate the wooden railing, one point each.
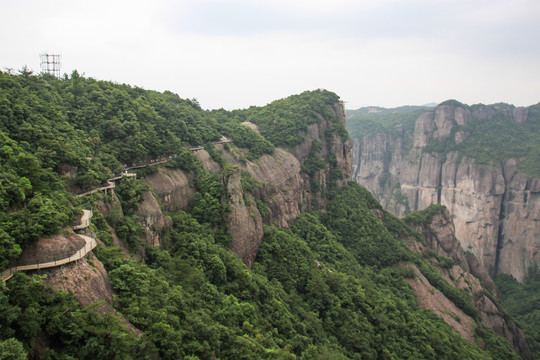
{"type": "Point", "coordinates": [85, 220]}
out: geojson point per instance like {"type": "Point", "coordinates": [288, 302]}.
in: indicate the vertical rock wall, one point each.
{"type": "Point", "coordinates": [496, 209]}
{"type": "Point", "coordinates": [285, 190]}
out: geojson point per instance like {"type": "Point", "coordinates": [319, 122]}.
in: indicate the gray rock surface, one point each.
{"type": "Point", "coordinates": [495, 209]}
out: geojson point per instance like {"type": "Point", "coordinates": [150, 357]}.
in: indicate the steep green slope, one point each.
{"type": "Point", "coordinates": [76, 132]}
{"type": "Point", "coordinates": [523, 302]}
{"type": "Point", "coordinates": [330, 287]}
{"type": "Point", "coordinates": [310, 294]}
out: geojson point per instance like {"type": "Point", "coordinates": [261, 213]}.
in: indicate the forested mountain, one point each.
{"type": "Point", "coordinates": [482, 163]}
{"type": "Point", "coordinates": [255, 248]}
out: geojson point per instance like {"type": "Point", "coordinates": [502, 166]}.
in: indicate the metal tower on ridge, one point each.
{"type": "Point", "coordinates": [50, 63]}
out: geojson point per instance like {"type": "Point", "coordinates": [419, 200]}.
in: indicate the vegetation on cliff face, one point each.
{"type": "Point", "coordinates": [522, 301]}
{"type": "Point", "coordinates": [483, 133]}
{"type": "Point", "coordinates": [520, 139]}
{"type": "Point", "coordinates": [75, 132]}
{"type": "Point", "coordinates": [363, 122]}
{"type": "Point", "coordinates": [330, 287]}
{"type": "Point", "coordinates": [284, 121]}
{"type": "Point", "coordinates": [309, 295]}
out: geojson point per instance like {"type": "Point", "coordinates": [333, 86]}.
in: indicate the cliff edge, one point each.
{"type": "Point", "coordinates": [457, 156]}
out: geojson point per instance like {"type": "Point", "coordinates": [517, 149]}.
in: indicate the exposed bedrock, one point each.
{"type": "Point", "coordinates": [495, 209]}
{"type": "Point", "coordinates": [283, 187]}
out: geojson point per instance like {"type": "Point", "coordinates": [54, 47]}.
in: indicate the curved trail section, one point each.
{"type": "Point", "coordinates": [163, 160]}
{"type": "Point", "coordinates": [110, 184]}
{"type": "Point", "coordinates": [90, 244]}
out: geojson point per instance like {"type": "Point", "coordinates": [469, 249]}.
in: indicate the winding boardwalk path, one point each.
{"type": "Point", "coordinates": [89, 244]}
{"type": "Point", "coordinates": [163, 160]}
{"type": "Point", "coordinates": [110, 184]}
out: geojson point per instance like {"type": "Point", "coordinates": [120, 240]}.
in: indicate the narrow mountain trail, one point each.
{"type": "Point", "coordinates": [90, 244]}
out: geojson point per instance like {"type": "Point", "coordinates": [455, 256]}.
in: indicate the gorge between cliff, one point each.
{"type": "Point", "coordinates": [495, 206]}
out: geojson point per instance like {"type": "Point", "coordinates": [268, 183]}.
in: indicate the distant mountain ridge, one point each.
{"type": "Point", "coordinates": [482, 162]}
{"type": "Point", "coordinates": [439, 156]}
{"type": "Point", "coordinates": [258, 248]}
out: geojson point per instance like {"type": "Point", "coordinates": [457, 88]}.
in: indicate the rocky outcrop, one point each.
{"type": "Point", "coordinates": [432, 299]}
{"type": "Point", "coordinates": [51, 249]}
{"type": "Point", "coordinates": [111, 206]}
{"type": "Point", "coordinates": [87, 279]}
{"type": "Point", "coordinates": [463, 274]}
{"type": "Point", "coordinates": [243, 219]}
{"type": "Point", "coordinates": [283, 188]}
{"type": "Point", "coordinates": [495, 209]}
{"type": "Point", "coordinates": [172, 187]}
{"type": "Point", "coordinates": [208, 164]}
{"type": "Point", "coordinates": [153, 219]}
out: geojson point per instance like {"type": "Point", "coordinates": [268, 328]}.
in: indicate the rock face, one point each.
{"type": "Point", "coordinates": [153, 219]}
{"type": "Point", "coordinates": [244, 220]}
{"type": "Point", "coordinates": [284, 189]}
{"type": "Point", "coordinates": [432, 299]}
{"type": "Point", "coordinates": [464, 274]}
{"type": "Point", "coordinates": [87, 279]}
{"type": "Point", "coordinates": [172, 187]}
{"type": "Point", "coordinates": [51, 249]}
{"type": "Point", "coordinates": [496, 209]}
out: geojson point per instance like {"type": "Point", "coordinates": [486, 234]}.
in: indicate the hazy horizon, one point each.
{"type": "Point", "coordinates": [234, 54]}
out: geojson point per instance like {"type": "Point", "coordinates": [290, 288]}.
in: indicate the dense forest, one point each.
{"type": "Point", "coordinates": [332, 286]}
{"type": "Point", "coordinates": [523, 302]}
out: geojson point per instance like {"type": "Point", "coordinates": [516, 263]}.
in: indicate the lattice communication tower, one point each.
{"type": "Point", "coordinates": [50, 63]}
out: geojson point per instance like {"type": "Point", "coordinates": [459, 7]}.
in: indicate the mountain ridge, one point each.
{"type": "Point", "coordinates": [181, 248]}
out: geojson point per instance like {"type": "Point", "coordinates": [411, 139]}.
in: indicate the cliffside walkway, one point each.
{"type": "Point", "coordinates": [163, 160]}
{"type": "Point", "coordinates": [109, 185]}
{"type": "Point", "coordinates": [90, 244]}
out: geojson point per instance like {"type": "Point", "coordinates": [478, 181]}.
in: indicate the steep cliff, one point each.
{"type": "Point", "coordinates": [472, 160]}
{"type": "Point", "coordinates": [153, 219]}
{"type": "Point", "coordinates": [243, 218]}
{"type": "Point", "coordinates": [331, 286]}
{"type": "Point", "coordinates": [461, 272]}
{"type": "Point", "coordinates": [284, 187]}
{"type": "Point", "coordinates": [86, 278]}
{"type": "Point", "coordinates": [287, 189]}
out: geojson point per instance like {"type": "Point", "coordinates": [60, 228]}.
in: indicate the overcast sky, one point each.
{"type": "Point", "coordinates": [234, 54]}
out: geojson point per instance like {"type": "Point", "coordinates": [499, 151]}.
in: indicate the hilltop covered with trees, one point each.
{"type": "Point", "coordinates": [332, 286]}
